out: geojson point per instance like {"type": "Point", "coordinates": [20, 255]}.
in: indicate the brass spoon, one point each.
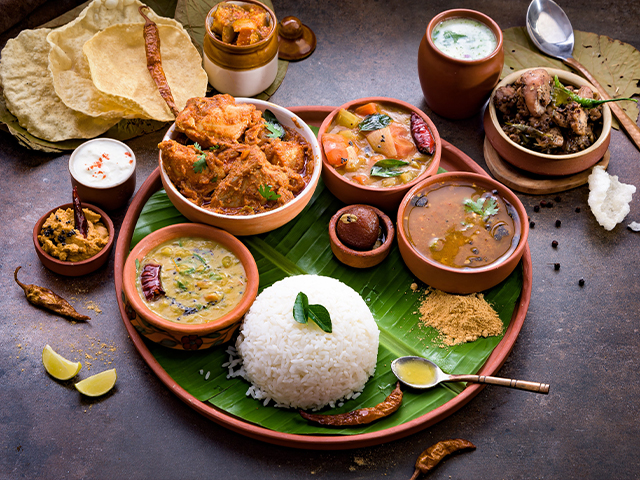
{"type": "Point", "coordinates": [420, 373]}
{"type": "Point", "coordinates": [551, 31]}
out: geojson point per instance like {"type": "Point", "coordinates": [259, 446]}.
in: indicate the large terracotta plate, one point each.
{"type": "Point", "coordinates": [452, 160]}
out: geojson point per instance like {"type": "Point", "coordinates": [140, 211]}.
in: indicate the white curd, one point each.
{"type": "Point", "coordinates": [464, 39]}
{"type": "Point", "coordinates": [102, 163]}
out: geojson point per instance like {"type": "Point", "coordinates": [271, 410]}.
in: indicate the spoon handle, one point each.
{"type": "Point", "coordinates": [503, 382]}
{"type": "Point", "coordinates": [629, 125]}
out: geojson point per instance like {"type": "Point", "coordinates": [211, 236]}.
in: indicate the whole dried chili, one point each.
{"type": "Point", "coordinates": [79, 219]}
{"type": "Point", "coordinates": [154, 61]}
{"type": "Point", "coordinates": [150, 281]}
{"type": "Point", "coordinates": [361, 416]}
{"type": "Point", "coordinates": [45, 298]}
{"type": "Point", "coordinates": [429, 459]}
{"type": "Point", "coordinates": [422, 135]}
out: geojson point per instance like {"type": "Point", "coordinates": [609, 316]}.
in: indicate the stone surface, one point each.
{"type": "Point", "coordinates": [584, 341]}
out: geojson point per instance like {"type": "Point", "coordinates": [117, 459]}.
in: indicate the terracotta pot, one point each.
{"type": "Point", "coordinates": [455, 88]}
{"type": "Point", "coordinates": [242, 71]}
{"type": "Point", "coordinates": [542, 163]}
{"type": "Point", "coordinates": [176, 335]}
{"type": "Point", "coordinates": [388, 198]}
{"type": "Point", "coordinates": [457, 280]}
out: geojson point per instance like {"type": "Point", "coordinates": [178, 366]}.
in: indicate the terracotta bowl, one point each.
{"type": "Point", "coordinates": [456, 88]}
{"type": "Point", "coordinates": [110, 197]}
{"type": "Point", "coordinates": [177, 335]}
{"type": "Point", "coordinates": [451, 279]}
{"type": "Point", "coordinates": [357, 258]}
{"type": "Point", "coordinates": [261, 222]}
{"type": "Point", "coordinates": [386, 199]}
{"type": "Point", "coordinates": [542, 163]}
{"type": "Point", "coordinates": [74, 269]}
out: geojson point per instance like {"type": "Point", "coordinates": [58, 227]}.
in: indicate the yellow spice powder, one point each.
{"type": "Point", "coordinates": [459, 318]}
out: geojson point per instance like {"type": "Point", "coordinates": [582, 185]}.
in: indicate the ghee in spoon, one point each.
{"type": "Point", "coordinates": [414, 371]}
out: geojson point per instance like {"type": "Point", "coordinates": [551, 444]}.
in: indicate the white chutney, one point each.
{"type": "Point", "coordinates": [102, 163]}
{"type": "Point", "coordinates": [464, 38]}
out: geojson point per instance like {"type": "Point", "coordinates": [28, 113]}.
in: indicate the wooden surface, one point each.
{"type": "Point", "coordinates": [584, 341]}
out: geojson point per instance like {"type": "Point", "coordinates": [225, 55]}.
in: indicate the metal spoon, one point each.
{"type": "Point", "coordinates": [551, 31]}
{"type": "Point", "coordinates": [432, 375]}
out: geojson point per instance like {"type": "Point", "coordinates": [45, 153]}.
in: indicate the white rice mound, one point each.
{"type": "Point", "coordinates": [298, 365]}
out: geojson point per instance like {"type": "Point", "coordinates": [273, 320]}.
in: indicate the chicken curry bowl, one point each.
{"type": "Point", "coordinates": [237, 160]}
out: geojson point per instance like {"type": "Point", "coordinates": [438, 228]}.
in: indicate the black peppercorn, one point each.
{"type": "Point", "coordinates": [558, 223]}
{"type": "Point", "coordinates": [557, 199]}
{"type": "Point", "coordinates": [532, 224]}
{"type": "Point", "coordinates": [556, 266]}
{"type": "Point", "coordinates": [577, 209]}
{"type": "Point", "coordinates": [536, 208]}
{"type": "Point", "coordinates": [554, 244]}
{"type": "Point", "coordinates": [581, 282]}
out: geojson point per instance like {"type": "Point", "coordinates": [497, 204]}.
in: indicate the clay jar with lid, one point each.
{"type": "Point", "coordinates": [454, 88]}
{"type": "Point", "coordinates": [241, 71]}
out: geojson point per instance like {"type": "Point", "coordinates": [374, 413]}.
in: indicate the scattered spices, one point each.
{"type": "Point", "coordinates": [154, 61]}
{"type": "Point", "coordinates": [421, 134]}
{"type": "Point", "coordinates": [532, 224]}
{"type": "Point", "coordinates": [80, 221]}
{"type": "Point", "coordinates": [557, 199]}
{"type": "Point", "coordinates": [549, 205]}
{"type": "Point", "coordinates": [556, 266]}
{"type": "Point", "coordinates": [577, 209]}
{"type": "Point", "coordinates": [536, 208]}
{"type": "Point", "coordinates": [543, 203]}
{"type": "Point", "coordinates": [558, 223]}
{"type": "Point", "coordinates": [554, 244]}
{"type": "Point", "coordinates": [361, 416]}
{"type": "Point", "coordinates": [459, 318]}
{"type": "Point", "coordinates": [150, 281]}
{"type": "Point", "coordinates": [45, 298]}
{"type": "Point", "coordinates": [432, 456]}
{"type": "Point", "coordinates": [581, 282]}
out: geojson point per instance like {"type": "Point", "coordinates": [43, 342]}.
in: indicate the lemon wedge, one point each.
{"type": "Point", "coordinates": [57, 366]}
{"type": "Point", "coordinates": [97, 384]}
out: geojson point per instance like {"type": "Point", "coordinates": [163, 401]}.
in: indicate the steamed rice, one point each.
{"type": "Point", "coordinates": [298, 365]}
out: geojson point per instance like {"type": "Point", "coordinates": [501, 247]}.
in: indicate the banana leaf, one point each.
{"type": "Point", "coordinates": [302, 247]}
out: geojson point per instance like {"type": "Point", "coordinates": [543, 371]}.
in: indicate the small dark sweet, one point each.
{"type": "Point", "coordinates": [358, 228]}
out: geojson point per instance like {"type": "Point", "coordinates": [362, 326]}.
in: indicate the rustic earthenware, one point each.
{"type": "Point", "coordinates": [455, 88]}
{"type": "Point", "coordinates": [386, 199]}
{"type": "Point", "coordinates": [357, 258]}
{"type": "Point", "coordinates": [456, 280]}
{"type": "Point", "coordinates": [176, 335]}
{"type": "Point", "coordinates": [542, 163]}
{"type": "Point", "coordinates": [261, 222]}
{"type": "Point", "coordinates": [74, 269]}
{"type": "Point", "coordinates": [295, 40]}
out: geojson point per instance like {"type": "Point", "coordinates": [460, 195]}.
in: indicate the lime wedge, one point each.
{"type": "Point", "coordinates": [57, 366]}
{"type": "Point", "coordinates": [97, 384]}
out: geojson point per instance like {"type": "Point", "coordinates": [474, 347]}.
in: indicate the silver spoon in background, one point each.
{"type": "Point", "coordinates": [551, 31]}
{"type": "Point", "coordinates": [432, 375]}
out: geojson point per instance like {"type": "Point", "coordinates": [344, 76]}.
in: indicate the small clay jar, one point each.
{"type": "Point", "coordinates": [453, 88]}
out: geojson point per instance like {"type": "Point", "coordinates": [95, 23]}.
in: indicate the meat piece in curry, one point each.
{"type": "Point", "coordinates": [240, 25]}
{"type": "Point", "coordinates": [235, 166]}
{"type": "Point", "coordinates": [533, 114]}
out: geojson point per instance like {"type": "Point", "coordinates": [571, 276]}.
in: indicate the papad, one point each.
{"type": "Point", "coordinates": [30, 96]}
{"type": "Point", "coordinates": [118, 66]}
{"type": "Point", "coordinates": [71, 75]}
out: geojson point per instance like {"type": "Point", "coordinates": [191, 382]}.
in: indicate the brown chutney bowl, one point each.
{"type": "Point", "coordinates": [543, 163]}
{"type": "Point", "coordinates": [386, 199]}
{"type": "Point", "coordinates": [454, 88]}
{"type": "Point", "coordinates": [74, 269]}
{"type": "Point", "coordinates": [177, 335]}
{"type": "Point", "coordinates": [361, 258]}
{"type": "Point", "coordinates": [458, 280]}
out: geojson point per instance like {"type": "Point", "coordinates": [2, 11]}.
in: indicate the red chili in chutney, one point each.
{"type": "Point", "coordinates": [462, 225]}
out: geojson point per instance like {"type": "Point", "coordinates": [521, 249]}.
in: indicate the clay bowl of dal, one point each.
{"type": "Point", "coordinates": [543, 163]}
{"type": "Point", "coordinates": [77, 268]}
{"type": "Point", "coordinates": [461, 232]}
{"type": "Point", "coordinates": [260, 222]}
{"type": "Point", "coordinates": [172, 319]}
{"type": "Point", "coordinates": [352, 182]}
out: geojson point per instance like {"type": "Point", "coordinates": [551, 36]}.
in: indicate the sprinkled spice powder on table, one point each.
{"type": "Point", "coordinates": [459, 318]}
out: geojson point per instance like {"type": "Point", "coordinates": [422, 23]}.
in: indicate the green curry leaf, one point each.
{"type": "Point", "coordinates": [302, 312]}
{"type": "Point", "coordinates": [387, 168]}
{"type": "Point", "coordinates": [375, 121]}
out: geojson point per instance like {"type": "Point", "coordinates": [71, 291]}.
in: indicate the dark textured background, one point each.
{"type": "Point", "coordinates": [584, 341]}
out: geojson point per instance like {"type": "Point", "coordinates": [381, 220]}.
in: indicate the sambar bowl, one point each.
{"type": "Point", "coordinates": [177, 335]}
{"type": "Point", "coordinates": [473, 272]}
{"type": "Point", "coordinates": [260, 222]}
{"type": "Point", "coordinates": [543, 163]}
{"type": "Point", "coordinates": [352, 192]}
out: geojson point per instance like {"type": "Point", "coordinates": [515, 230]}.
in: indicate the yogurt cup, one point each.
{"type": "Point", "coordinates": [104, 171]}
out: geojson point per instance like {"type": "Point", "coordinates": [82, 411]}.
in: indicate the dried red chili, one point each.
{"type": "Point", "coordinates": [361, 416]}
{"type": "Point", "coordinates": [154, 61]}
{"type": "Point", "coordinates": [45, 298]}
{"type": "Point", "coordinates": [151, 282]}
{"type": "Point", "coordinates": [79, 219]}
{"type": "Point", "coordinates": [422, 135]}
{"type": "Point", "coordinates": [429, 459]}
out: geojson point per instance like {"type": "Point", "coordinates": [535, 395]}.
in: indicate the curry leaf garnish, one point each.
{"type": "Point", "coordinates": [302, 312]}
{"type": "Point", "coordinates": [375, 121]}
{"type": "Point", "coordinates": [454, 36]}
{"type": "Point", "coordinates": [267, 192]}
{"type": "Point", "coordinates": [273, 125]}
{"type": "Point", "coordinates": [481, 206]}
{"type": "Point", "coordinates": [387, 168]}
